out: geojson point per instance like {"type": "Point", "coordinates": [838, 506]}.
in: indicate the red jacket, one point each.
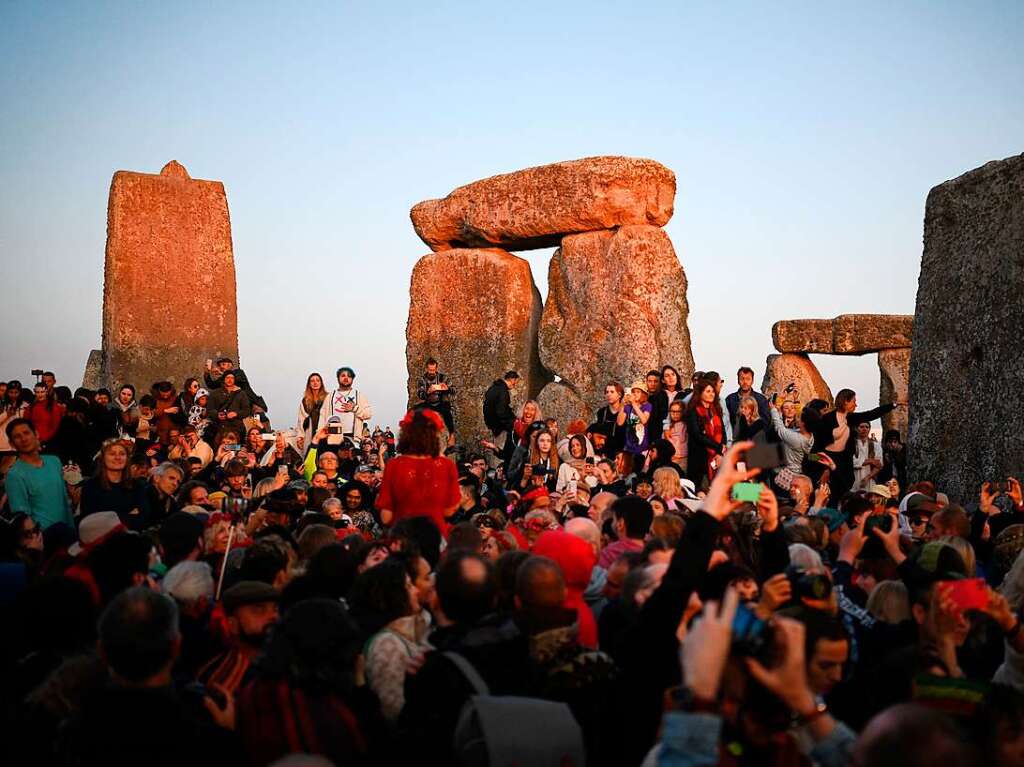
{"type": "Point", "coordinates": [45, 420]}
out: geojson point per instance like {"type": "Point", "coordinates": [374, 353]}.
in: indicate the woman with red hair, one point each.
{"type": "Point", "coordinates": [419, 482]}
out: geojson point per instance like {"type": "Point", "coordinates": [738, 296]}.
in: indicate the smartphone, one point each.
{"type": "Point", "coordinates": [268, 437]}
{"type": "Point", "coordinates": [282, 469]}
{"type": "Point", "coordinates": [968, 594]}
{"type": "Point", "coordinates": [248, 481]}
{"type": "Point", "coordinates": [749, 633]}
{"type": "Point", "coordinates": [232, 448]}
{"type": "Point", "coordinates": [764, 455]}
{"type": "Point", "coordinates": [570, 487]}
{"type": "Point", "coordinates": [748, 492]}
{"type": "Point", "coordinates": [589, 461]}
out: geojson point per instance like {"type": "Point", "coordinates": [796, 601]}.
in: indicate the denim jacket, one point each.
{"type": "Point", "coordinates": [691, 740]}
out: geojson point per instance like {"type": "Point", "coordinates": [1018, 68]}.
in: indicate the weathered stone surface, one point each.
{"type": "Point", "coordinates": [93, 376]}
{"type": "Point", "coordinates": [803, 336]}
{"type": "Point", "coordinates": [846, 334]}
{"type": "Point", "coordinates": [557, 400]}
{"type": "Point", "coordinates": [780, 370]}
{"type": "Point", "coordinates": [616, 308]}
{"type": "Point", "coordinates": [536, 207]}
{"type": "Point", "coordinates": [864, 333]}
{"type": "Point", "coordinates": [894, 386]}
{"type": "Point", "coordinates": [476, 311]}
{"type": "Point", "coordinates": [967, 412]}
{"type": "Point", "coordinates": [169, 278]}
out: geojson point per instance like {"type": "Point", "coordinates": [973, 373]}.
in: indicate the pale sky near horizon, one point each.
{"type": "Point", "coordinates": [804, 137]}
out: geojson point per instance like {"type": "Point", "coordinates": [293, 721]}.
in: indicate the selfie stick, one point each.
{"type": "Point", "coordinates": [224, 564]}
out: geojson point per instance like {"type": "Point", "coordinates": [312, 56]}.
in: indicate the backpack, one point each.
{"type": "Point", "coordinates": [513, 731]}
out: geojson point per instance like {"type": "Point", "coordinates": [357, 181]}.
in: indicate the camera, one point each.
{"type": "Point", "coordinates": [808, 585]}
{"type": "Point", "coordinates": [37, 371]}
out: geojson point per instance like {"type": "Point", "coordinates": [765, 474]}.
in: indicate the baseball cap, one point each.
{"type": "Point", "coordinates": [833, 518]}
{"type": "Point", "coordinates": [638, 384]}
{"type": "Point", "coordinates": [248, 593]}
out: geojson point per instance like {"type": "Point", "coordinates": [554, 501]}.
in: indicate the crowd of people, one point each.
{"type": "Point", "coordinates": [694, 577]}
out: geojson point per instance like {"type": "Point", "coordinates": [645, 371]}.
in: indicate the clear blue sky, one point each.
{"type": "Point", "coordinates": [804, 136]}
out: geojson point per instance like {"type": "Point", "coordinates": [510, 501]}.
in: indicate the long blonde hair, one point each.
{"type": "Point", "coordinates": [311, 399]}
{"type": "Point", "coordinates": [666, 483]}
{"type": "Point", "coordinates": [538, 416]}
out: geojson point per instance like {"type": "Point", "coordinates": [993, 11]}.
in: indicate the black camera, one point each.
{"type": "Point", "coordinates": [37, 371]}
{"type": "Point", "coordinates": [808, 585]}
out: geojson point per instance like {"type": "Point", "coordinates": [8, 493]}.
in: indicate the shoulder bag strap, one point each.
{"type": "Point", "coordinates": [472, 675]}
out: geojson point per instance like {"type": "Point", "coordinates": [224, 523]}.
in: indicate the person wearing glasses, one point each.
{"type": "Point", "coordinates": [22, 541]}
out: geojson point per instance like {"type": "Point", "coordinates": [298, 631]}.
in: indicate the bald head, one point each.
{"type": "Point", "coordinates": [539, 583]}
{"type": "Point", "coordinates": [907, 735]}
{"type": "Point", "coordinates": [600, 504]}
{"type": "Point", "coordinates": [584, 528]}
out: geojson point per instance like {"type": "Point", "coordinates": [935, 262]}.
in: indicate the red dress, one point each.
{"type": "Point", "coordinates": [419, 487]}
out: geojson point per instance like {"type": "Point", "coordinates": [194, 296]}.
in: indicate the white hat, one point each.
{"type": "Point", "coordinates": [92, 528]}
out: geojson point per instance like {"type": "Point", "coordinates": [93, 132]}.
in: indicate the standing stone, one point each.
{"type": "Point", "coordinates": [169, 279]}
{"type": "Point", "coordinates": [894, 370]}
{"type": "Point", "coordinates": [780, 370]}
{"type": "Point", "coordinates": [557, 400]}
{"type": "Point", "coordinates": [616, 308]}
{"type": "Point", "coordinates": [476, 312]}
{"type": "Point", "coordinates": [968, 356]}
{"type": "Point", "coordinates": [536, 207]}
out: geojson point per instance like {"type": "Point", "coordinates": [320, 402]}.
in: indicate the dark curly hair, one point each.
{"type": "Point", "coordinates": [379, 595]}
{"type": "Point", "coordinates": [420, 437]}
{"type": "Point", "coordinates": [314, 647]}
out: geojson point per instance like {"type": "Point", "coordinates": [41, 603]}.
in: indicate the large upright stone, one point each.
{"type": "Point", "coordinates": [476, 312]}
{"type": "Point", "coordinates": [894, 386]}
{"type": "Point", "coordinates": [616, 308]}
{"type": "Point", "coordinates": [169, 279]}
{"type": "Point", "coordinates": [558, 401]}
{"type": "Point", "coordinates": [846, 334]}
{"type": "Point", "coordinates": [536, 207]}
{"type": "Point", "coordinates": [967, 413]}
{"type": "Point", "coordinates": [781, 370]}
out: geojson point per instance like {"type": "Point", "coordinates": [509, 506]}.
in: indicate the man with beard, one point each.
{"type": "Point", "coordinates": [251, 610]}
